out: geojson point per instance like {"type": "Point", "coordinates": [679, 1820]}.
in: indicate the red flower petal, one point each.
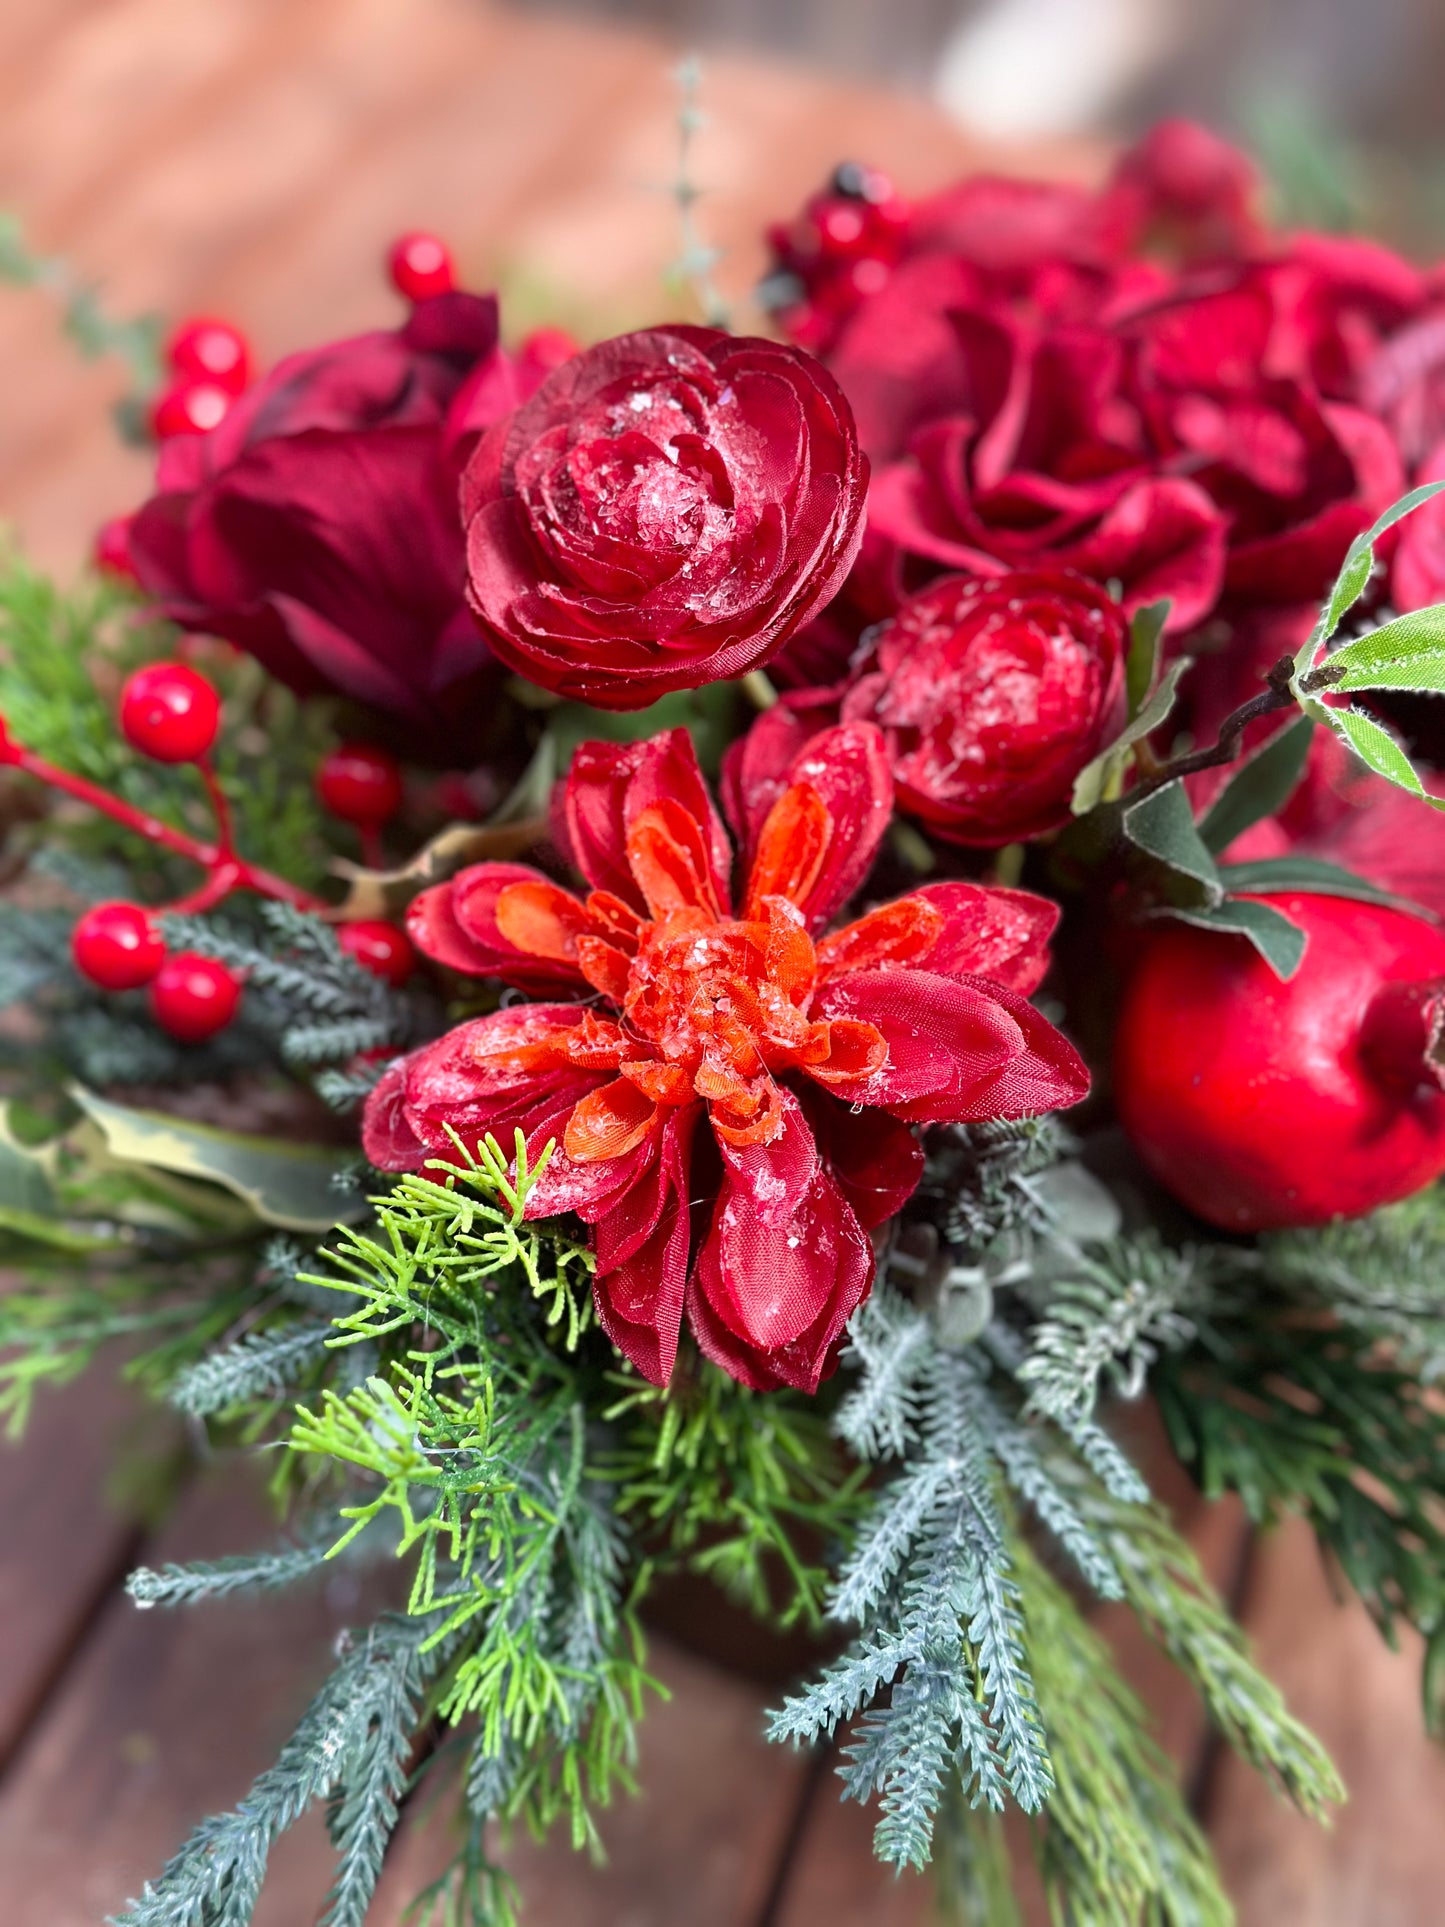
{"type": "Point", "coordinates": [875, 1158]}
{"type": "Point", "coordinates": [958, 1049]}
{"type": "Point", "coordinates": [989, 932]}
{"type": "Point", "coordinates": [770, 1294]}
{"type": "Point", "coordinates": [642, 1251]}
{"type": "Point", "coordinates": [456, 924]}
{"type": "Point", "coordinates": [818, 857]}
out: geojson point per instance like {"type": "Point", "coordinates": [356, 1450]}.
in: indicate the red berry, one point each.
{"type": "Point", "coordinates": [190, 408]}
{"type": "Point", "coordinates": [207, 351]}
{"type": "Point", "coordinates": [420, 266]}
{"type": "Point", "coordinates": [1263, 1103]}
{"type": "Point", "coordinates": [382, 948]}
{"type": "Point", "coordinates": [169, 711]}
{"type": "Point", "coordinates": [194, 996]}
{"type": "Point", "coordinates": [111, 549]}
{"type": "Point", "coordinates": [117, 946]}
{"type": "Point", "coordinates": [542, 351]}
{"type": "Point", "coordinates": [360, 784]}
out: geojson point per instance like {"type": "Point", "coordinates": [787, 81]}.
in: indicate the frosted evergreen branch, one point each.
{"type": "Point", "coordinates": [1040, 1474]}
{"type": "Point", "coordinates": [885, 1538]}
{"type": "Point", "coordinates": [260, 1365]}
{"type": "Point", "coordinates": [888, 1344]}
{"type": "Point", "coordinates": [206, 1579]}
{"type": "Point", "coordinates": [1113, 1315]}
{"type": "Point", "coordinates": [996, 1631]}
{"type": "Point", "coordinates": [215, 1879]}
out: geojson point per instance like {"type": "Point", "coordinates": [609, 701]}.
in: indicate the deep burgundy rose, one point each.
{"type": "Point", "coordinates": [665, 511]}
{"type": "Point", "coordinates": [1046, 461]}
{"type": "Point", "coordinates": [317, 526]}
{"type": "Point", "coordinates": [992, 696]}
{"type": "Point", "coordinates": [1223, 384]}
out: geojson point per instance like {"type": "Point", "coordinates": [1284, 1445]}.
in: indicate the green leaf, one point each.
{"type": "Point", "coordinates": [1377, 748]}
{"type": "Point", "coordinates": [1259, 786]}
{"type": "Point", "coordinates": [1162, 825]}
{"type": "Point", "coordinates": [1096, 779]}
{"type": "Point", "coordinates": [1142, 663]}
{"type": "Point", "coordinates": [1408, 653]}
{"type": "Point", "coordinates": [29, 1206]}
{"type": "Point", "coordinates": [1310, 873]}
{"type": "Point", "coordinates": [1280, 942]}
{"type": "Point", "coordinates": [1355, 571]}
{"type": "Point", "coordinates": [285, 1184]}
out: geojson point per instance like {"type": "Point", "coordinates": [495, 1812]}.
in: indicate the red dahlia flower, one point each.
{"type": "Point", "coordinates": [665, 511]}
{"type": "Point", "coordinates": [731, 1107]}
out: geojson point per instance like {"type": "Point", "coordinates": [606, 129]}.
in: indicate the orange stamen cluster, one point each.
{"type": "Point", "coordinates": [710, 1008]}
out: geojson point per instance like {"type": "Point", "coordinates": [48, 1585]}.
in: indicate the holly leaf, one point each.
{"type": "Point", "coordinates": [1162, 825]}
{"type": "Point", "coordinates": [1321, 879]}
{"type": "Point", "coordinates": [291, 1185]}
{"type": "Point", "coordinates": [1259, 786]}
{"type": "Point", "coordinates": [1279, 941]}
{"type": "Point", "coordinates": [1099, 778]}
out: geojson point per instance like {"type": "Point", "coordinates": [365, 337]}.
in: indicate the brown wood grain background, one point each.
{"type": "Point", "coordinates": [252, 158]}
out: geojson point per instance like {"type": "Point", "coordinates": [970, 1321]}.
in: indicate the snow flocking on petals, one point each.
{"type": "Point", "coordinates": [732, 1104]}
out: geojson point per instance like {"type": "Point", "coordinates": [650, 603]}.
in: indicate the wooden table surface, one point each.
{"type": "Point", "coordinates": [252, 158]}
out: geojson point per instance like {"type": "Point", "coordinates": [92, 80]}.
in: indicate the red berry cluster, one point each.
{"type": "Point", "coordinates": [840, 249]}
{"type": "Point", "coordinates": [210, 364]}
{"type": "Point", "coordinates": [171, 713]}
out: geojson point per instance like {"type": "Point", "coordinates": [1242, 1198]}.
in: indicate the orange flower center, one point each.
{"type": "Point", "coordinates": [710, 1008]}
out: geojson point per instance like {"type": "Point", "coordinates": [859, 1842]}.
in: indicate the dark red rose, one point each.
{"type": "Point", "coordinates": [992, 696]}
{"type": "Point", "coordinates": [317, 526]}
{"type": "Point", "coordinates": [732, 1106]}
{"type": "Point", "coordinates": [1216, 377]}
{"type": "Point", "coordinates": [1047, 461]}
{"type": "Point", "coordinates": [665, 511]}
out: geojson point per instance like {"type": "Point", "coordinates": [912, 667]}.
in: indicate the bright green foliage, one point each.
{"type": "Point", "coordinates": [731, 1479]}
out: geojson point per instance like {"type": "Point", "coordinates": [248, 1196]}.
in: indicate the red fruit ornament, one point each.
{"type": "Point", "coordinates": [190, 408]}
{"type": "Point", "coordinates": [382, 948]}
{"type": "Point", "coordinates": [170, 712]}
{"type": "Point", "coordinates": [420, 266]}
{"type": "Point", "coordinates": [1263, 1104]}
{"type": "Point", "coordinates": [117, 946]}
{"type": "Point", "coordinates": [213, 352]}
{"type": "Point", "coordinates": [193, 996]}
{"type": "Point", "coordinates": [360, 784]}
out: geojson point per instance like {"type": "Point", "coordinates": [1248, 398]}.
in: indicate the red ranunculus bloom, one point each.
{"type": "Point", "coordinates": [317, 526]}
{"type": "Point", "coordinates": [732, 1108]}
{"type": "Point", "coordinates": [992, 696]}
{"type": "Point", "coordinates": [665, 511]}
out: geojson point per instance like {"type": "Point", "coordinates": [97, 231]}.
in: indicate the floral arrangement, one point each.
{"type": "Point", "coordinates": [701, 952]}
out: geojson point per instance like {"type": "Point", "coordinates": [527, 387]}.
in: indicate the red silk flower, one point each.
{"type": "Point", "coordinates": [992, 696]}
{"type": "Point", "coordinates": [731, 1108]}
{"type": "Point", "coordinates": [317, 526]}
{"type": "Point", "coordinates": [665, 511]}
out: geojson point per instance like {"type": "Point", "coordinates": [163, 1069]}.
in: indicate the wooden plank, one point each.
{"type": "Point", "coordinates": [699, 1844]}
{"type": "Point", "coordinates": [1380, 1864]}
{"type": "Point", "coordinates": [161, 1719]}
{"type": "Point", "coordinates": [68, 1533]}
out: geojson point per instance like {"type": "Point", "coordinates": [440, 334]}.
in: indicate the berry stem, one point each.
{"type": "Point", "coordinates": [227, 871]}
{"type": "Point", "coordinates": [1226, 746]}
